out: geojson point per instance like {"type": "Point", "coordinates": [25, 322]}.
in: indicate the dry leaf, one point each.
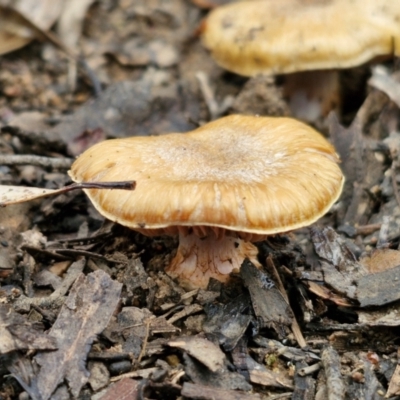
{"type": "Point", "coordinates": [18, 19]}
{"type": "Point", "coordinates": [381, 260]}
{"type": "Point", "coordinates": [71, 20]}
{"type": "Point", "coordinates": [382, 80]}
{"type": "Point", "coordinates": [394, 384]}
{"type": "Point", "coordinates": [20, 194]}
{"type": "Point", "coordinates": [203, 350]}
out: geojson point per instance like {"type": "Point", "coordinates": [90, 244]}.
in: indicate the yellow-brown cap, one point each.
{"type": "Point", "coordinates": [259, 175]}
{"type": "Point", "coordinates": [283, 36]}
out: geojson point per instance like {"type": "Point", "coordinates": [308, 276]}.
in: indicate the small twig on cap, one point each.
{"type": "Point", "coordinates": [124, 185]}
{"type": "Point", "coordinates": [39, 161]}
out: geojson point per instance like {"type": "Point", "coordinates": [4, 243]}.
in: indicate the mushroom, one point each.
{"type": "Point", "coordinates": [219, 188]}
{"type": "Point", "coordinates": [306, 39]}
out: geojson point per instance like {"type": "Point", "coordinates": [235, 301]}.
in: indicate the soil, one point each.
{"type": "Point", "coordinates": [86, 309]}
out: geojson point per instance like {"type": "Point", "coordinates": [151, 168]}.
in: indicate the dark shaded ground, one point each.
{"type": "Point", "coordinates": [85, 308]}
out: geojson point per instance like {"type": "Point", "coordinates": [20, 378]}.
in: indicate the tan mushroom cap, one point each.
{"type": "Point", "coordinates": [260, 175]}
{"type": "Point", "coordinates": [283, 36]}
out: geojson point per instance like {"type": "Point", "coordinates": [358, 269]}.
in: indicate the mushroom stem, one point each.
{"type": "Point", "coordinates": [200, 258]}
{"type": "Point", "coordinates": [312, 94]}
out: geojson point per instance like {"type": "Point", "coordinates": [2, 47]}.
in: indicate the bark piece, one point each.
{"type": "Point", "coordinates": [85, 313]}
{"type": "Point", "coordinates": [17, 333]}
{"type": "Point", "coordinates": [228, 322]}
{"type": "Point", "coordinates": [124, 389]}
{"type": "Point", "coordinates": [269, 305]}
{"type": "Point", "coordinates": [360, 166]}
{"type": "Point", "coordinates": [348, 276]}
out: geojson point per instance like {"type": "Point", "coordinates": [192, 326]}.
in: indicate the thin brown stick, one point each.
{"type": "Point", "coordinates": [145, 340]}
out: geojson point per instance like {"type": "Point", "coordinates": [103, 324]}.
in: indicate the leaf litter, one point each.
{"type": "Point", "coordinates": [86, 308]}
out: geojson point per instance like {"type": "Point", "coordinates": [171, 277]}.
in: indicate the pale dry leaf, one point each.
{"type": "Point", "coordinates": [69, 26]}
{"type": "Point", "coordinates": [69, 29]}
{"type": "Point", "coordinates": [203, 350]}
{"type": "Point", "coordinates": [19, 17]}
{"type": "Point", "coordinates": [382, 80]}
{"type": "Point", "coordinates": [20, 194]}
{"type": "Point", "coordinates": [394, 384]}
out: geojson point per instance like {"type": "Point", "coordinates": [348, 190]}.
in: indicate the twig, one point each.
{"type": "Point", "coordinates": [39, 161]}
{"type": "Point", "coordinates": [366, 230]}
{"type": "Point", "coordinates": [214, 108]}
{"type": "Point", "coordinates": [279, 396]}
{"type": "Point", "coordinates": [309, 370]}
{"type": "Point", "coordinates": [208, 94]}
{"type": "Point", "coordinates": [188, 310]}
{"type": "Point", "coordinates": [145, 340]}
{"type": "Point", "coordinates": [85, 253]}
{"type": "Point", "coordinates": [142, 373]}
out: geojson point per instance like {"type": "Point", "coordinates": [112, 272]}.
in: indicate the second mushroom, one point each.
{"type": "Point", "coordinates": [220, 188]}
